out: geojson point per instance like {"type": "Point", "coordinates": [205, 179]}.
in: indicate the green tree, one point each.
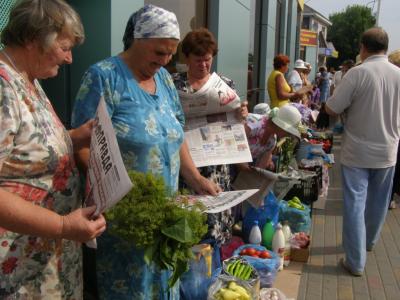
{"type": "Point", "coordinates": [345, 32]}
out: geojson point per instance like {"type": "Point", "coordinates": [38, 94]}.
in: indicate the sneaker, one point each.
{"type": "Point", "coordinates": [348, 269]}
{"type": "Point", "coordinates": [392, 204]}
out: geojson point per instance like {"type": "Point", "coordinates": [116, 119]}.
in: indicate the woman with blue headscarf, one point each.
{"type": "Point", "coordinates": [148, 120]}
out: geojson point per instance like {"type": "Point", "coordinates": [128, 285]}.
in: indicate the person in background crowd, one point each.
{"type": "Point", "coordinates": [148, 120]}
{"type": "Point", "coordinates": [41, 222]}
{"type": "Point", "coordinates": [369, 145]}
{"type": "Point", "coordinates": [296, 77]}
{"type": "Point", "coordinates": [263, 132]}
{"type": "Point", "coordinates": [323, 84]}
{"type": "Point", "coordinates": [322, 121]}
{"type": "Point", "coordinates": [279, 90]}
{"type": "Point", "coordinates": [199, 47]}
{"type": "Point", "coordinates": [394, 58]}
{"type": "Point", "coordinates": [336, 79]}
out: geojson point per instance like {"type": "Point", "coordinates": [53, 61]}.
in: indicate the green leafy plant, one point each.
{"type": "Point", "coordinates": [151, 219]}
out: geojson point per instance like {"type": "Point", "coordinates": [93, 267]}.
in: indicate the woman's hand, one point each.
{"type": "Point", "coordinates": [242, 112]}
{"type": "Point", "coordinates": [81, 136]}
{"type": "Point", "coordinates": [79, 225]}
{"type": "Point", "coordinates": [204, 186]}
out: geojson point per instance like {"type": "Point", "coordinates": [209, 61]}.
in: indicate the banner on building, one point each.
{"type": "Point", "coordinates": [308, 38]}
{"type": "Point", "coordinates": [301, 3]}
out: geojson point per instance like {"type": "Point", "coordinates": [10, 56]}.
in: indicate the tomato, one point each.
{"type": "Point", "coordinates": [251, 251]}
{"type": "Point", "coordinates": [254, 255]}
{"type": "Point", "coordinates": [258, 253]}
{"type": "Point", "coordinates": [243, 252]}
{"type": "Point", "coordinates": [265, 254]}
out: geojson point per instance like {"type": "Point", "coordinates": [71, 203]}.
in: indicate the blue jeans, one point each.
{"type": "Point", "coordinates": [366, 195]}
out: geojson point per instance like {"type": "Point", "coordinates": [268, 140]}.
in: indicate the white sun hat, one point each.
{"type": "Point", "coordinates": [299, 64]}
{"type": "Point", "coordinates": [287, 118]}
{"type": "Point", "coordinates": [261, 109]}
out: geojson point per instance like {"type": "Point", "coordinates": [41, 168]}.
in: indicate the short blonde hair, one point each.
{"type": "Point", "coordinates": [394, 57]}
{"type": "Point", "coordinates": [42, 21]}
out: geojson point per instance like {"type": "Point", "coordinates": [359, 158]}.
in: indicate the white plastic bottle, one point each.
{"type": "Point", "coordinates": [278, 244]}
{"type": "Point", "coordinates": [288, 234]}
{"type": "Point", "coordinates": [255, 234]}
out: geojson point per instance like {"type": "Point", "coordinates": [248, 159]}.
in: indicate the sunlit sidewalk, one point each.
{"type": "Point", "coordinates": [323, 277]}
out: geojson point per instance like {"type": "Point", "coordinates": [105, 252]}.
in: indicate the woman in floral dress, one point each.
{"type": "Point", "coordinates": [199, 47]}
{"type": "Point", "coordinates": [41, 223]}
{"type": "Point", "coordinates": [147, 117]}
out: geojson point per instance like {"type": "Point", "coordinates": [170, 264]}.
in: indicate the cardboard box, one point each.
{"type": "Point", "coordinates": [300, 254]}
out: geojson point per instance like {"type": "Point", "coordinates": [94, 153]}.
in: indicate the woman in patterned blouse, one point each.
{"type": "Point", "coordinates": [41, 222]}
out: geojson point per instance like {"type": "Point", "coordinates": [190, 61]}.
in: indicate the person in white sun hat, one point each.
{"type": "Point", "coordinates": [295, 77]}
{"type": "Point", "coordinates": [263, 132]}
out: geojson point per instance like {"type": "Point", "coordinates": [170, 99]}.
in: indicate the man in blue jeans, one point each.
{"type": "Point", "coordinates": [369, 97]}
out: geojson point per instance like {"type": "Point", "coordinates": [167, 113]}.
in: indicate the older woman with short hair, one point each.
{"type": "Point", "coordinates": [279, 90]}
{"type": "Point", "coordinates": [40, 216]}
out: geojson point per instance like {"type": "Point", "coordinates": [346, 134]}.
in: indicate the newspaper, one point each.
{"type": "Point", "coordinates": [221, 202]}
{"type": "Point", "coordinates": [213, 133]}
{"type": "Point", "coordinates": [107, 179]}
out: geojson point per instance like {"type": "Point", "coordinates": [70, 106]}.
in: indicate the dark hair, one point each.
{"type": "Point", "coordinates": [375, 40]}
{"type": "Point", "coordinates": [280, 60]}
{"type": "Point", "coordinates": [199, 42]}
{"type": "Point", "coordinates": [42, 21]}
{"type": "Point", "coordinates": [349, 63]}
{"type": "Point", "coordinates": [322, 69]}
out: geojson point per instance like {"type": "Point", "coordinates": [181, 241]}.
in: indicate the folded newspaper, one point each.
{"type": "Point", "coordinates": [107, 180]}
{"type": "Point", "coordinates": [221, 202]}
{"type": "Point", "coordinates": [212, 131]}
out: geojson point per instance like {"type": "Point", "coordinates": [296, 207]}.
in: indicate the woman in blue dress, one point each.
{"type": "Point", "coordinates": [147, 116]}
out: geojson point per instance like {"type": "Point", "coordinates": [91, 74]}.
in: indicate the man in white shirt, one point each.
{"type": "Point", "coordinates": [369, 95]}
{"type": "Point", "coordinates": [295, 77]}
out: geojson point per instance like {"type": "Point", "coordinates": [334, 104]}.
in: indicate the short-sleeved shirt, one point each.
{"type": "Point", "coordinates": [257, 125]}
{"type": "Point", "coordinates": [148, 127]}
{"type": "Point", "coordinates": [369, 95]}
{"type": "Point", "coordinates": [295, 81]}
{"type": "Point", "coordinates": [149, 130]}
{"type": "Point", "coordinates": [37, 164]}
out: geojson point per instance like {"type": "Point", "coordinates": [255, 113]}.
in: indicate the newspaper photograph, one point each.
{"type": "Point", "coordinates": [221, 202]}
{"type": "Point", "coordinates": [212, 131]}
{"type": "Point", "coordinates": [107, 180]}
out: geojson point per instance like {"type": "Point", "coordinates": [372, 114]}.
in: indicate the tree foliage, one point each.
{"type": "Point", "coordinates": [345, 32]}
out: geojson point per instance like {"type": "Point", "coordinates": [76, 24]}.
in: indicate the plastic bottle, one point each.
{"type": "Point", "coordinates": [268, 234]}
{"type": "Point", "coordinates": [255, 234]}
{"type": "Point", "coordinates": [278, 244]}
{"type": "Point", "coordinates": [288, 234]}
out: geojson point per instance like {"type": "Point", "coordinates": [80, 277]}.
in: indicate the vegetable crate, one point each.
{"type": "Point", "coordinates": [318, 171]}
{"type": "Point", "coordinates": [307, 190]}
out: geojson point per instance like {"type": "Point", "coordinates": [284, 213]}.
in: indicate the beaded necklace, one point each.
{"type": "Point", "coordinates": [31, 87]}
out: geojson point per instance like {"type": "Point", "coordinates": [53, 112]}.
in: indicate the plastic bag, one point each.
{"type": "Point", "coordinates": [267, 268]}
{"type": "Point", "coordinates": [195, 282]}
{"type": "Point", "coordinates": [272, 294]}
{"type": "Point", "coordinates": [299, 220]}
{"type": "Point", "coordinates": [269, 211]}
{"type": "Point", "coordinates": [223, 281]}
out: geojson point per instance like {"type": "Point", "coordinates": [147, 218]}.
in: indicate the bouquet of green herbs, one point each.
{"type": "Point", "coordinates": [150, 218]}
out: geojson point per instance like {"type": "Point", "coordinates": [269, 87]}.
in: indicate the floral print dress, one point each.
{"type": "Point", "coordinates": [220, 224]}
{"type": "Point", "coordinates": [149, 130]}
{"type": "Point", "coordinates": [36, 163]}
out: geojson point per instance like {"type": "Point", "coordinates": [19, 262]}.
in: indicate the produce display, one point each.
{"type": "Point", "coordinates": [239, 269]}
{"type": "Point", "coordinates": [149, 218]}
{"type": "Point", "coordinates": [300, 240]}
{"type": "Point", "coordinates": [255, 253]}
{"type": "Point", "coordinates": [233, 291]}
{"type": "Point", "coordinates": [295, 202]}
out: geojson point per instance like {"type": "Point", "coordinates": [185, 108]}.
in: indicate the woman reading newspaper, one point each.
{"type": "Point", "coordinates": [199, 47]}
{"type": "Point", "coordinates": [147, 117]}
